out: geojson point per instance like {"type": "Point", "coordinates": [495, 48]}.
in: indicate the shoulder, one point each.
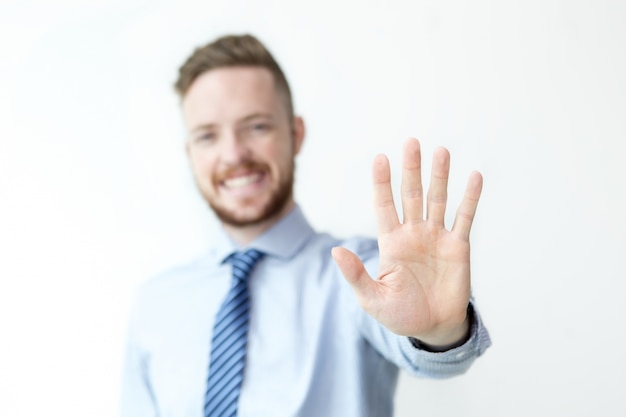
{"type": "Point", "coordinates": [365, 248]}
{"type": "Point", "coordinates": [362, 246]}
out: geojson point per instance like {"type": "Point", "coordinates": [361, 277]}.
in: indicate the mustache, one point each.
{"type": "Point", "coordinates": [239, 168]}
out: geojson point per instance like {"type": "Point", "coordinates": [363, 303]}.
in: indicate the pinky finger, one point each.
{"type": "Point", "coordinates": [467, 209]}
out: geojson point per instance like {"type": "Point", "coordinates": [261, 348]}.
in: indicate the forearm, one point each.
{"type": "Point", "coordinates": [423, 362]}
{"type": "Point", "coordinates": [449, 339]}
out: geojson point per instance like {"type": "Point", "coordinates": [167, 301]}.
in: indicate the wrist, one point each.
{"type": "Point", "coordinates": [450, 340]}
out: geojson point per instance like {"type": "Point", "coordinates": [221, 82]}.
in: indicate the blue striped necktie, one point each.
{"type": "Point", "coordinates": [230, 337]}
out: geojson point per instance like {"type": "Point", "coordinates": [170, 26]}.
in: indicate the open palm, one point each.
{"type": "Point", "coordinates": [423, 284]}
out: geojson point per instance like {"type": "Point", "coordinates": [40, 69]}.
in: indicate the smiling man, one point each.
{"type": "Point", "coordinates": [242, 145]}
{"type": "Point", "coordinates": [279, 320]}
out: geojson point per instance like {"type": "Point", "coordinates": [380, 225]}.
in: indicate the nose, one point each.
{"type": "Point", "coordinates": [233, 149]}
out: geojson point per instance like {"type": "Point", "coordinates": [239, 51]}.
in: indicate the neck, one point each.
{"type": "Point", "coordinates": [243, 235]}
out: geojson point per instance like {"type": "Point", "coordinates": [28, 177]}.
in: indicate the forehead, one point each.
{"type": "Point", "coordinates": [225, 95]}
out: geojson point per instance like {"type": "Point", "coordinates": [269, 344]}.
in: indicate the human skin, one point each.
{"type": "Point", "coordinates": [423, 284]}
{"type": "Point", "coordinates": [241, 147]}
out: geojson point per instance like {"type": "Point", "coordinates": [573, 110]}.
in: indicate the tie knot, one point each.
{"type": "Point", "coordinates": [243, 263]}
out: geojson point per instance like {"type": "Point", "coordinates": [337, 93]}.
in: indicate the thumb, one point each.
{"type": "Point", "coordinates": [354, 272]}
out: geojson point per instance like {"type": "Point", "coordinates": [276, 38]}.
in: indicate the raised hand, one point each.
{"type": "Point", "coordinates": [423, 284]}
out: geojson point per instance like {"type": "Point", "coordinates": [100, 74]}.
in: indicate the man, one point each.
{"type": "Point", "coordinates": [307, 341]}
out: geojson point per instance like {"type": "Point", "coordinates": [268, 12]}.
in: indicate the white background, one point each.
{"type": "Point", "coordinates": [96, 196]}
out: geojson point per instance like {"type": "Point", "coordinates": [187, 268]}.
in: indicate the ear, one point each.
{"type": "Point", "coordinates": [188, 150]}
{"type": "Point", "coordinates": [298, 134]}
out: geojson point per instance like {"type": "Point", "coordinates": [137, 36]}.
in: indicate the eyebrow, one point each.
{"type": "Point", "coordinates": [256, 116]}
{"type": "Point", "coordinates": [206, 126]}
{"type": "Point", "coordinates": [201, 127]}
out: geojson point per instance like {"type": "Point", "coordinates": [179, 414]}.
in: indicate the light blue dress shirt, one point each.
{"type": "Point", "coordinates": [312, 351]}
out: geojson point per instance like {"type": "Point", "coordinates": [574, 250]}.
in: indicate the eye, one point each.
{"type": "Point", "coordinates": [204, 136]}
{"type": "Point", "coordinates": [259, 127]}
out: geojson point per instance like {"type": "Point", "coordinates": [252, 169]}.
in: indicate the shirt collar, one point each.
{"type": "Point", "coordinates": [283, 240]}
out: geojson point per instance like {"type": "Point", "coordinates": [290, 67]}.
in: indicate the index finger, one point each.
{"type": "Point", "coordinates": [386, 214]}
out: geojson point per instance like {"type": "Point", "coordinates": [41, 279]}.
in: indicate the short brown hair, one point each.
{"type": "Point", "coordinates": [232, 51]}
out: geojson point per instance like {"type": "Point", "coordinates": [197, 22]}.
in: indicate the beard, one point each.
{"type": "Point", "coordinates": [277, 202]}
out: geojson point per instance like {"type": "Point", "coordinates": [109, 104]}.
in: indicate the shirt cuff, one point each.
{"type": "Point", "coordinates": [453, 361]}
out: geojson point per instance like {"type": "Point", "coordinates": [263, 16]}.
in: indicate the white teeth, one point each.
{"type": "Point", "coordinates": [241, 181]}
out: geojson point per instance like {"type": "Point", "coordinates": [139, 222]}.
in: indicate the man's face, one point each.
{"type": "Point", "coordinates": [241, 144]}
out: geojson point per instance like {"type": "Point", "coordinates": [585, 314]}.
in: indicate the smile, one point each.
{"type": "Point", "coordinates": [243, 181]}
